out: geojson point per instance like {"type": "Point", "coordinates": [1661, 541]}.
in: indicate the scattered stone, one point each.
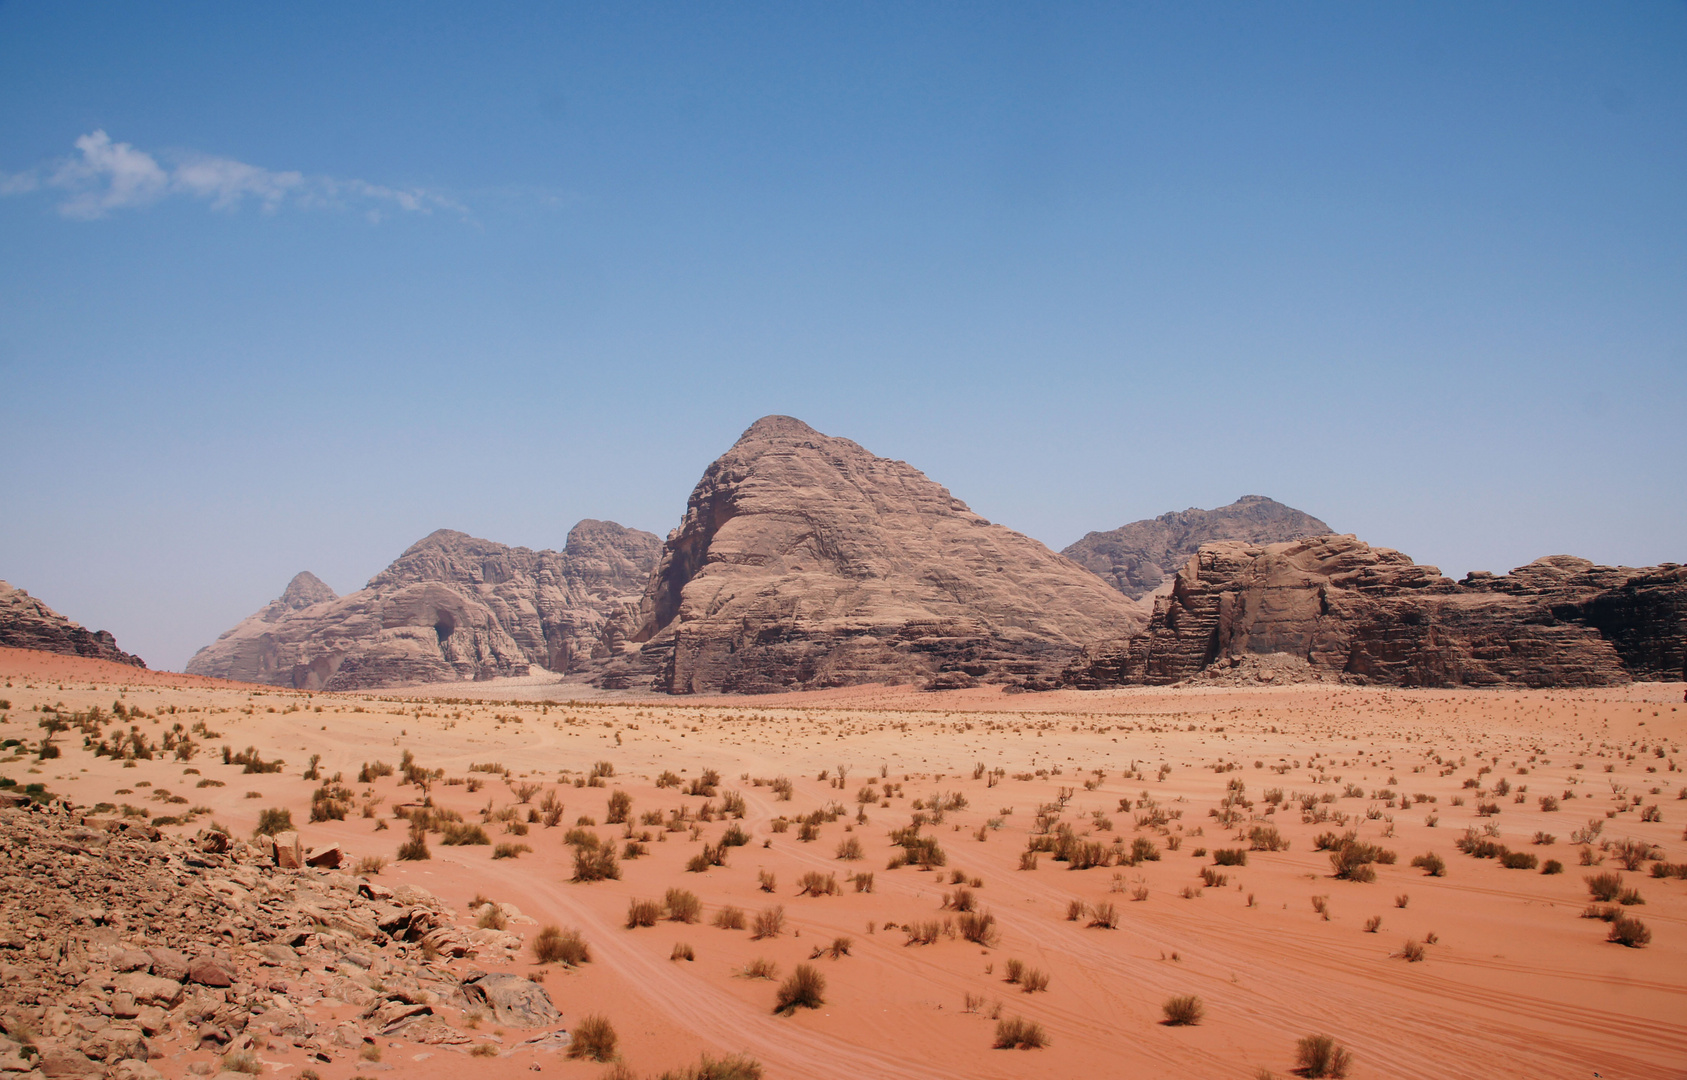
{"type": "Point", "coordinates": [512, 999]}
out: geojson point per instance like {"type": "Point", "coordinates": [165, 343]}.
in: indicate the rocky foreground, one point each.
{"type": "Point", "coordinates": [121, 948]}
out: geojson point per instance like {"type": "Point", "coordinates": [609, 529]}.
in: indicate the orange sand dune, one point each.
{"type": "Point", "coordinates": [1516, 983]}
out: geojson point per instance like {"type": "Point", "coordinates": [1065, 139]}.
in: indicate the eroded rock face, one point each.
{"type": "Point", "coordinates": [805, 561]}
{"type": "Point", "coordinates": [1343, 610]}
{"type": "Point", "coordinates": [1139, 557]}
{"type": "Point", "coordinates": [27, 623]}
{"type": "Point", "coordinates": [452, 607]}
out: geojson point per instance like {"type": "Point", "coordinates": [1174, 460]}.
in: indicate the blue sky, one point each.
{"type": "Point", "coordinates": [287, 287]}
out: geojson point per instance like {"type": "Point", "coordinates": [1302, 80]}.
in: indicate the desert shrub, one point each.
{"type": "Point", "coordinates": [492, 918]}
{"type": "Point", "coordinates": [509, 851]}
{"type": "Point", "coordinates": [1143, 850]}
{"type": "Point", "coordinates": [734, 836]}
{"type": "Point", "coordinates": [1627, 930]}
{"type": "Point", "coordinates": [1013, 971]}
{"type": "Point", "coordinates": [814, 883]}
{"type": "Point", "coordinates": [555, 945]}
{"type": "Point", "coordinates": [1183, 1010]}
{"type": "Point", "coordinates": [484, 1050]}
{"type": "Point", "coordinates": [1230, 857]}
{"type": "Point", "coordinates": [1320, 1055]}
{"type": "Point", "coordinates": [620, 805]}
{"type": "Point", "coordinates": [729, 918]}
{"type": "Point", "coordinates": [1632, 853]}
{"type": "Point", "coordinates": [599, 865]}
{"type": "Point", "coordinates": [1431, 864]}
{"type": "Point", "coordinates": [457, 834]}
{"type": "Point", "coordinates": [682, 951]}
{"type": "Point", "coordinates": [592, 1038]}
{"type": "Point", "coordinates": [1412, 952]}
{"type": "Point", "coordinates": [1604, 886]}
{"type": "Point", "coordinates": [761, 968]}
{"type": "Point", "coordinates": [682, 906]}
{"type": "Point", "coordinates": [370, 865]}
{"type": "Point", "coordinates": [643, 913]}
{"type": "Point", "coordinates": [849, 848]}
{"type": "Point", "coordinates": [925, 932]}
{"type": "Point", "coordinates": [978, 927]}
{"type": "Point", "coordinates": [1519, 860]}
{"type": "Point", "coordinates": [839, 947]}
{"type": "Point", "coordinates": [804, 989]}
{"type": "Point", "coordinates": [1373, 924]}
{"type": "Point", "coordinates": [1212, 879]}
{"type": "Point", "coordinates": [961, 899]}
{"type": "Point", "coordinates": [1019, 1033]}
{"type": "Point", "coordinates": [1105, 916]}
{"type": "Point", "coordinates": [1075, 910]}
{"type": "Point", "coordinates": [1266, 838]}
{"type": "Point", "coordinates": [242, 1061]}
{"type": "Point", "coordinates": [769, 923]}
{"type": "Point", "coordinates": [416, 848]}
{"type": "Point", "coordinates": [863, 881]}
{"type": "Point", "coordinates": [1629, 897]}
{"type": "Point", "coordinates": [1552, 866]}
{"type": "Point", "coordinates": [1034, 980]}
{"type": "Point", "coordinates": [273, 821]}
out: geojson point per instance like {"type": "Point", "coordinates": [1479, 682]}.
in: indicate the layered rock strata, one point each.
{"type": "Point", "coordinates": [1334, 607]}
{"type": "Point", "coordinates": [452, 607]}
{"type": "Point", "coordinates": [805, 561]}
{"type": "Point", "coordinates": [27, 623]}
{"type": "Point", "coordinates": [1138, 558]}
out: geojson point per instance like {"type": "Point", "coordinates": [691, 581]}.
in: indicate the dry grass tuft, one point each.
{"type": "Point", "coordinates": [1182, 1011]}
{"type": "Point", "coordinates": [1019, 1034]}
{"type": "Point", "coordinates": [804, 989]}
{"type": "Point", "coordinates": [556, 945]}
{"type": "Point", "coordinates": [1320, 1055]}
{"type": "Point", "coordinates": [593, 1038]}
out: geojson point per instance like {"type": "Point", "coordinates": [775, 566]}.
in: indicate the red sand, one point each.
{"type": "Point", "coordinates": [1517, 985]}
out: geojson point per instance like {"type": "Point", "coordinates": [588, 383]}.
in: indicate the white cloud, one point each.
{"type": "Point", "coordinates": [109, 176]}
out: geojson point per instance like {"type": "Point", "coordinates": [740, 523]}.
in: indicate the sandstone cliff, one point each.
{"type": "Point", "coordinates": [805, 561]}
{"type": "Point", "coordinates": [27, 623]}
{"type": "Point", "coordinates": [1138, 557]}
{"type": "Point", "coordinates": [452, 607]}
{"type": "Point", "coordinates": [1333, 607]}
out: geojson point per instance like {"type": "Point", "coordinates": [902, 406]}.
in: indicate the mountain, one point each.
{"type": "Point", "coordinates": [805, 561]}
{"type": "Point", "coordinates": [1334, 608]}
{"type": "Point", "coordinates": [452, 607]}
{"type": "Point", "coordinates": [1138, 557]}
{"type": "Point", "coordinates": [27, 623]}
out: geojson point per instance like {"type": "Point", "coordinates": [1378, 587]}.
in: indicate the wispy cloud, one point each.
{"type": "Point", "coordinates": [105, 176]}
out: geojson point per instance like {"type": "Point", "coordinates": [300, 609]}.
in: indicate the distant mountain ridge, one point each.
{"type": "Point", "coordinates": [27, 623]}
{"type": "Point", "coordinates": [1139, 557]}
{"type": "Point", "coordinates": [451, 607]}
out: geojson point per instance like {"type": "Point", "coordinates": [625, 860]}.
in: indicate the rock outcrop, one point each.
{"type": "Point", "coordinates": [120, 944]}
{"type": "Point", "coordinates": [451, 608]}
{"type": "Point", "coordinates": [1335, 608]}
{"type": "Point", "coordinates": [27, 623]}
{"type": "Point", "coordinates": [1139, 557]}
{"type": "Point", "coordinates": [805, 561]}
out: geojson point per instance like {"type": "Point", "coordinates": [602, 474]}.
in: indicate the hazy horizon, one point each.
{"type": "Point", "coordinates": [290, 289]}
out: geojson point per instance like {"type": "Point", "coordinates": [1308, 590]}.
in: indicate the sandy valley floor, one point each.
{"type": "Point", "coordinates": [1516, 982]}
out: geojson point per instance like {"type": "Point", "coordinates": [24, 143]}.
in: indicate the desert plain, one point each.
{"type": "Point", "coordinates": [1011, 792]}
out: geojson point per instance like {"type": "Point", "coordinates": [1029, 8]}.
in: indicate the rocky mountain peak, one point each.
{"type": "Point", "coordinates": [805, 560]}
{"type": "Point", "coordinates": [304, 590]}
{"type": "Point", "coordinates": [1143, 556]}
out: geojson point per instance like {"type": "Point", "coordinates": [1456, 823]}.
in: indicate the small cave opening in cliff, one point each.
{"type": "Point", "coordinates": [444, 626]}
